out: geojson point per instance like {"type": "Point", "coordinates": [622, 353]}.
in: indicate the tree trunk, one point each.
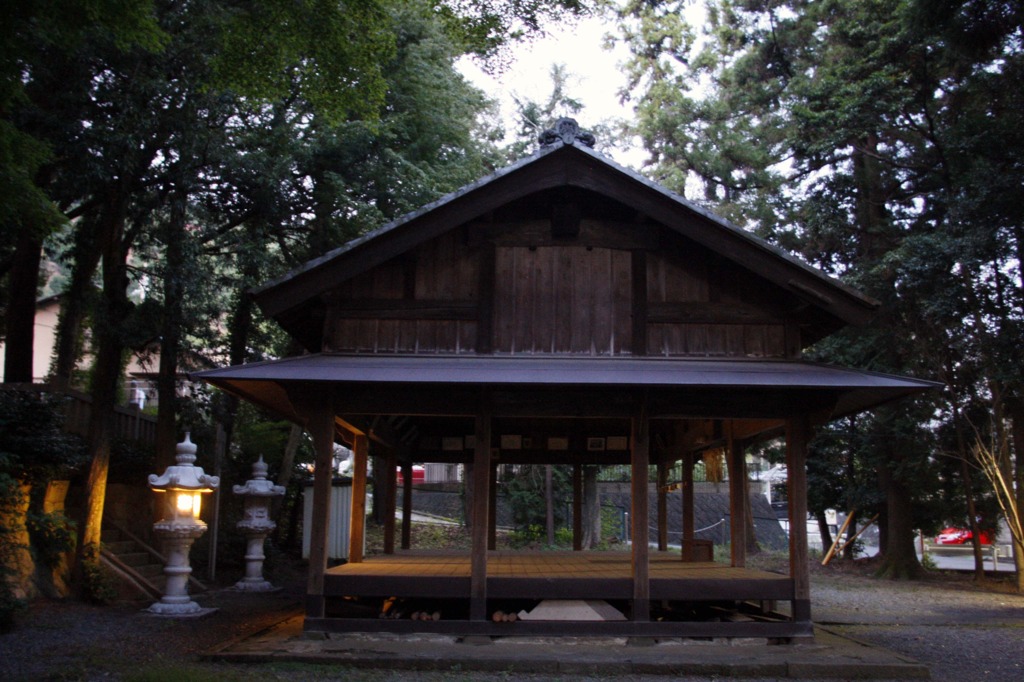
{"type": "Point", "coordinates": [1016, 411]}
{"type": "Point", "coordinates": [972, 516]}
{"type": "Point", "coordinates": [74, 303]}
{"type": "Point", "coordinates": [591, 508]}
{"type": "Point", "coordinates": [21, 309]}
{"type": "Point", "coordinates": [899, 560]}
{"type": "Point", "coordinates": [284, 476]}
{"type": "Point", "coordinates": [170, 336]}
{"type": "Point", "coordinates": [850, 553]}
{"type": "Point", "coordinates": [106, 378]}
{"type": "Point", "coordinates": [823, 530]}
{"type": "Point", "coordinates": [752, 546]}
{"type": "Point", "coordinates": [549, 504]}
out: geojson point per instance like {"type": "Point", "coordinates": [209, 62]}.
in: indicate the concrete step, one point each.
{"type": "Point", "coordinates": [150, 570]}
{"type": "Point", "coordinates": [120, 546]}
{"type": "Point", "coordinates": [134, 559]}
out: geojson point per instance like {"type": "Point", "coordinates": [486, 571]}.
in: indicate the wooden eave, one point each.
{"type": "Point", "coordinates": [295, 299]}
{"type": "Point", "coordinates": [560, 387]}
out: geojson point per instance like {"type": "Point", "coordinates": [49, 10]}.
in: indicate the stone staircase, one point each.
{"type": "Point", "coordinates": [139, 568]}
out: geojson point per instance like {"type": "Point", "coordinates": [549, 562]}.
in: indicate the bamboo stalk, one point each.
{"type": "Point", "coordinates": [839, 536]}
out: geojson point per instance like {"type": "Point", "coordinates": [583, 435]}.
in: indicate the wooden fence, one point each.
{"type": "Point", "coordinates": [130, 423]}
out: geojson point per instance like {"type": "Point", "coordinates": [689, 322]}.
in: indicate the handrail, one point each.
{"type": "Point", "coordinates": [130, 574]}
{"type": "Point", "coordinates": [157, 555]}
{"type": "Point", "coordinates": [139, 426]}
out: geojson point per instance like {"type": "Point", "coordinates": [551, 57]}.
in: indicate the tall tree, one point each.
{"type": "Point", "coordinates": [859, 134]}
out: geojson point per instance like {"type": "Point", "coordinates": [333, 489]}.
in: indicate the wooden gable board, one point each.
{"type": "Point", "coordinates": [295, 299]}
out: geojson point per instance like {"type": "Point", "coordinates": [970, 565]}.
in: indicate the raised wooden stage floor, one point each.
{"type": "Point", "coordinates": [679, 592]}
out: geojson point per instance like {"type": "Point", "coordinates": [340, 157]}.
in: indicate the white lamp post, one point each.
{"type": "Point", "coordinates": [256, 525]}
{"type": "Point", "coordinates": [184, 485]}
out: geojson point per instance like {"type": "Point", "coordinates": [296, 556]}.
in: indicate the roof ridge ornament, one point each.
{"type": "Point", "coordinates": [568, 131]}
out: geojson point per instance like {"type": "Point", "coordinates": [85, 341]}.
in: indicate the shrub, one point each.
{"type": "Point", "coordinates": [52, 536]}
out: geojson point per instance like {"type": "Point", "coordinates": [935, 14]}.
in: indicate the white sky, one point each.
{"type": "Point", "coordinates": [595, 78]}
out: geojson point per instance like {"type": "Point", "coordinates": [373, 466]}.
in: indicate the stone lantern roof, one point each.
{"type": "Point", "coordinates": [184, 475]}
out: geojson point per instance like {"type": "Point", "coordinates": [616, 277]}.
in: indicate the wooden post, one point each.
{"type": "Point", "coordinates": [320, 425]}
{"type": "Point", "coordinates": [407, 504]}
{"type": "Point", "coordinates": [577, 507]}
{"type": "Point", "coordinates": [357, 527]}
{"type": "Point", "coordinates": [390, 487]}
{"type": "Point", "coordinates": [738, 501]}
{"type": "Point", "coordinates": [640, 460]}
{"type": "Point", "coordinates": [688, 525]}
{"type": "Point", "coordinates": [481, 488]}
{"type": "Point", "coordinates": [492, 506]}
{"type": "Point", "coordinates": [662, 507]}
{"type": "Point", "coordinates": [797, 437]}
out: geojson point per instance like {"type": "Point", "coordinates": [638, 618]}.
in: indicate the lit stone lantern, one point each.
{"type": "Point", "coordinates": [184, 484]}
{"type": "Point", "coordinates": [256, 525]}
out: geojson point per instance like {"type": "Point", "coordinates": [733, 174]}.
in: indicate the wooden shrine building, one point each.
{"type": "Point", "coordinates": [563, 310]}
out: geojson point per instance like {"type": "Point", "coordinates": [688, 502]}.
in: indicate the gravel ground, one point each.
{"type": "Point", "coordinates": [962, 632]}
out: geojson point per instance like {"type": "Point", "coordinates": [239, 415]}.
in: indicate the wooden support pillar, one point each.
{"type": "Point", "coordinates": [390, 487]}
{"type": "Point", "coordinates": [662, 507]}
{"type": "Point", "coordinates": [577, 507]}
{"type": "Point", "coordinates": [798, 435]}
{"type": "Point", "coordinates": [738, 501]}
{"type": "Point", "coordinates": [479, 514]}
{"type": "Point", "coordinates": [640, 460]}
{"type": "Point", "coordinates": [492, 506]}
{"type": "Point", "coordinates": [407, 504]}
{"type": "Point", "coordinates": [320, 425]}
{"type": "Point", "coordinates": [357, 520]}
{"type": "Point", "coordinates": [688, 525]}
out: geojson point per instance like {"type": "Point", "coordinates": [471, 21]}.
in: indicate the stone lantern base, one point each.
{"type": "Point", "coordinates": [178, 540]}
{"type": "Point", "coordinates": [188, 610]}
{"type": "Point", "coordinates": [261, 585]}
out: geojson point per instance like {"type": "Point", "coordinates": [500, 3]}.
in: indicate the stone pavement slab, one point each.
{"type": "Point", "coordinates": [829, 656]}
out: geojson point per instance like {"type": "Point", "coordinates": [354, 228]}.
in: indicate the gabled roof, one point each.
{"type": "Point", "coordinates": [294, 298]}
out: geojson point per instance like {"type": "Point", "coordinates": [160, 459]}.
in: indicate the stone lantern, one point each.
{"type": "Point", "coordinates": [184, 485]}
{"type": "Point", "coordinates": [256, 525]}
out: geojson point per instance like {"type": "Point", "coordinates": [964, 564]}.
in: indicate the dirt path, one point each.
{"type": "Point", "coordinates": [964, 634]}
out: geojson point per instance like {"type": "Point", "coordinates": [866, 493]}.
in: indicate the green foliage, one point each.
{"type": "Point", "coordinates": [331, 54]}
{"type": "Point", "coordinates": [526, 496]}
{"type": "Point", "coordinates": [874, 138]}
{"type": "Point", "coordinates": [52, 535]}
{"type": "Point", "coordinates": [97, 584]}
{"type": "Point", "coordinates": [131, 462]}
{"type": "Point", "coordinates": [33, 447]}
{"type": "Point", "coordinates": [485, 27]}
{"type": "Point", "coordinates": [10, 498]}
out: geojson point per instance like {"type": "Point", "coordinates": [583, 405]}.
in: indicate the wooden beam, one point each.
{"type": "Point", "coordinates": [797, 438]}
{"type": "Point", "coordinates": [357, 520]}
{"type": "Point", "coordinates": [688, 524]}
{"type": "Point", "coordinates": [481, 505]}
{"type": "Point", "coordinates": [738, 502]}
{"type": "Point", "coordinates": [640, 442]}
{"type": "Point", "coordinates": [390, 492]}
{"type": "Point", "coordinates": [320, 423]}
{"type": "Point", "coordinates": [407, 504]}
{"type": "Point", "coordinates": [662, 484]}
{"type": "Point", "coordinates": [577, 507]}
{"type": "Point", "coordinates": [400, 309]}
{"type": "Point", "coordinates": [710, 313]}
{"type": "Point", "coordinates": [492, 506]}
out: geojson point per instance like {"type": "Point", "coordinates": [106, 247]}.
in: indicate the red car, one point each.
{"type": "Point", "coordinates": [961, 536]}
